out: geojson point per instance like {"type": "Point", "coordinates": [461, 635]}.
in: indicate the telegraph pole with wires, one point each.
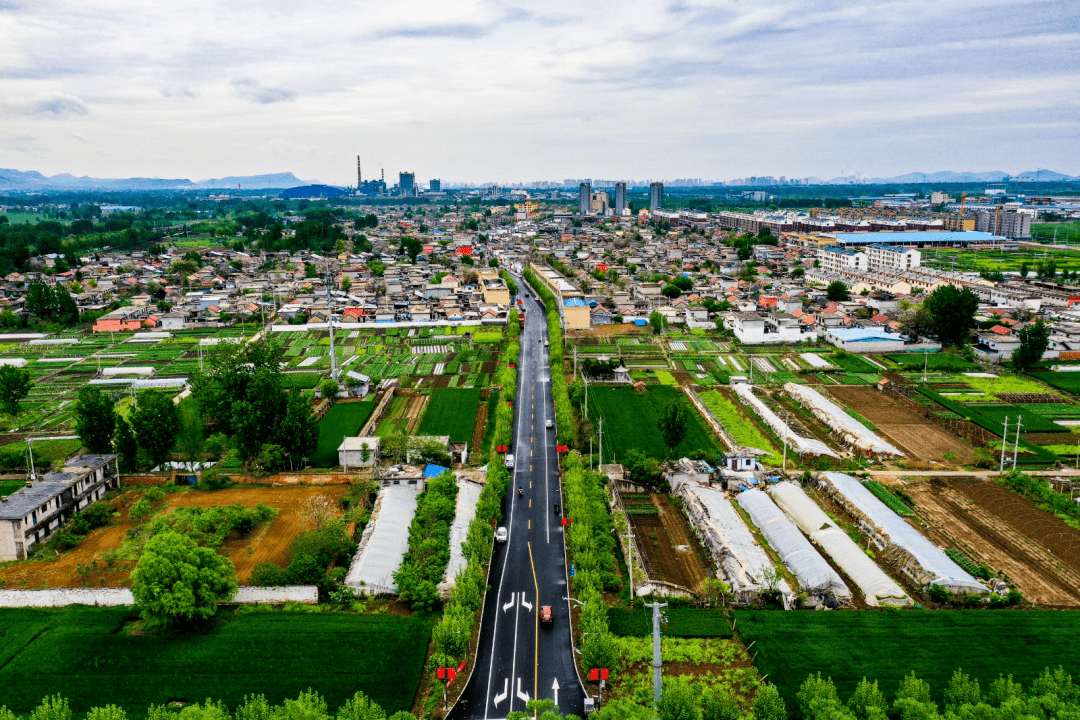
{"type": "Point", "coordinates": [1016, 444]}
{"type": "Point", "coordinates": [330, 321]}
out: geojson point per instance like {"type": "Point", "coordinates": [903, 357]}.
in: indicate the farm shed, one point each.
{"type": "Point", "coordinates": [352, 452]}
{"type": "Point", "coordinates": [875, 585]}
{"type": "Point", "coordinates": [801, 445]}
{"type": "Point", "coordinates": [848, 428]}
{"type": "Point", "coordinates": [385, 540]}
{"type": "Point", "coordinates": [904, 547]}
{"type": "Point", "coordinates": [468, 495]}
{"type": "Point", "coordinates": [740, 559]}
{"type": "Point", "coordinates": [815, 575]}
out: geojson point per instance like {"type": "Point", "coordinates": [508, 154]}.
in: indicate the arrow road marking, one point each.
{"type": "Point", "coordinates": [505, 693]}
{"type": "Point", "coordinates": [523, 696]}
{"type": "Point", "coordinates": [525, 603]}
{"type": "Point", "coordinates": [555, 689]}
{"type": "Point", "coordinates": [510, 604]}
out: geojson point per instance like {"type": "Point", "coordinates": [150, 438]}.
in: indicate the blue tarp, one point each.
{"type": "Point", "coordinates": [574, 302]}
{"type": "Point", "coordinates": [641, 322]}
{"type": "Point", "coordinates": [432, 471]}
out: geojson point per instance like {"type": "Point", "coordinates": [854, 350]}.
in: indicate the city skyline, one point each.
{"type": "Point", "coordinates": [478, 91]}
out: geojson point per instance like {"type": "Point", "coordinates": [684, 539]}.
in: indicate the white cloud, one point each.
{"type": "Point", "coordinates": [255, 91]}
{"type": "Point", "coordinates": [51, 105]}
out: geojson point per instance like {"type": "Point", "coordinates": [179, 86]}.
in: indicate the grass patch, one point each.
{"type": "Point", "coordinates": [684, 622]}
{"type": "Point", "coordinates": [85, 655]}
{"type": "Point", "coordinates": [7, 487]}
{"type": "Point", "coordinates": [948, 362]}
{"type": "Point", "coordinates": [342, 420]}
{"type": "Point", "coordinates": [1032, 421]}
{"type": "Point", "coordinates": [852, 363]}
{"type": "Point", "coordinates": [14, 455]}
{"type": "Point", "coordinates": [630, 422]}
{"type": "Point", "coordinates": [665, 377]}
{"type": "Point", "coordinates": [452, 411]}
{"type": "Point", "coordinates": [1003, 384]}
{"type": "Point", "coordinates": [1065, 381]}
{"type": "Point", "coordinates": [885, 646]}
{"type": "Point", "coordinates": [745, 432]}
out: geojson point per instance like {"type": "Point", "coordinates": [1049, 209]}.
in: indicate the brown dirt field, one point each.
{"type": "Point", "coordinates": [972, 527]}
{"type": "Point", "coordinates": [268, 543]}
{"type": "Point", "coordinates": [478, 429]}
{"type": "Point", "coordinates": [917, 436]}
{"type": "Point", "coordinates": [414, 410]}
{"type": "Point", "coordinates": [666, 560]}
{"type": "Point", "coordinates": [440, 381]}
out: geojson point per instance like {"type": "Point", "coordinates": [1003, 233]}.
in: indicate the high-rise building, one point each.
{"type": "Point", "coordinates": [1007, 224]}
{"type": "Point", "coordinates": [656, 196]}
{"type": "Point", "coordinates": [620, 198]}
{"type": "Point", "coordinates": [584, 198]}
{"type": "Point", "coordinates": [407, 184]}
{"type": "Point", "coordinates": [435, 185]}
{"type": "Point", "coordinates": [599, 203]}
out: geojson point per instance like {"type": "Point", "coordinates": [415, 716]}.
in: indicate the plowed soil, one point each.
{"type": "Point", "coordinates": [917, 436]}
{"type": "Point", "coordinates": [661, 537]}
{"type": "Point", "coordinates": [988, 523]}
{"type": "Point", "coordinates": [267, 543]}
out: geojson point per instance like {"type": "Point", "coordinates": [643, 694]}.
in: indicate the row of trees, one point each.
{"type": "Point", "coordinates": [566, 427]}
{"type": "Point", "coordinates": [143, 439]}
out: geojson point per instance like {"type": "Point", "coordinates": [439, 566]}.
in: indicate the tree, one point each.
{"type": "Point", "coordinates": [54, 707]}
{"type": "Point", "coordinates": [658, 321]}
{"type": "Point", "coordinates": [672, 424]}
{"type": "Point", "coordinates": [411, 246]}
{"type": "Point", "coordinates": [679, 701]}
{"type": "Point", "coordinates": [14, 386]}
{"type": "Point", "coordinates": [360, 707]}
{"type": "Point", "coordinates": [837, 291]}
{"type": "Point", "coordinates": [1025, 269]}
{"type": "Point", "coordinates": [682, 282]}
{"type": "Point", "coordinates": [1034, 339]}
{"type": "Point", "coordinates": [330, 389]}
{"type": "Point", "coordinates": [768, 705]}
{"type": "Point", "coordinates": [670, 291]}
{"type": "Point", "coordinates": [720, 705]}
{"type": "Point", "coordinates": [176, 580]}
{"type": "Point", "coordinates": [126, 446]}
{"type": "Point", "coordinates": [190, 439]}
{"type": "Point", "coordinates": [156, 423]}
{"type": "Point", "coordinates": [917, 321]}
{"type": "Point", "coordinates": [95, 419]}
{"type": "Point", "coordinates": [953, 312]}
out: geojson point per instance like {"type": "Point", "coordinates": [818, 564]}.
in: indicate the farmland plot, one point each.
{"type": "Point", "coordinates": [630, 422]}
{"type": "Point", "coordinates": [670, 550]}
{"type": "Point", "coordinates": [344, 419]}
{"type": "Point", "coordinates": [975, 529]}
{"type": "Point", "coordinates": [452, 411]}
{"type": "Point", "coordinates": [916, 435]}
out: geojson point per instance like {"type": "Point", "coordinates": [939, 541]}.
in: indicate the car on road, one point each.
{"type": "Point", "coordinates": [510, 461]}
{"type": "Point", "coordinates": [501, 535]}
{"type": "Point", "coordinates": [545, 614]}
{"type": "Point", "coordinates": [545, 342]}
{"type": "Point", "coordinates": [549, 424]}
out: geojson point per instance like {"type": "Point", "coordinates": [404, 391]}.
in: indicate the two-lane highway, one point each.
{"type": "Point", "coordinates": [519, 657]}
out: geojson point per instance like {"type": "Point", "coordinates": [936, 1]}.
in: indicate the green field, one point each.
{"type": "Point", "coordinates": [1002, 260]}
{"type": "Point", "coordinates": [9, 486]}
{"type": "Point", "coordinates": [885, 646]}
{"type": "Point", "coordinates": [745, 432]}
{"type": "Point", "coordinates": [86, 655]}
{"type": "Point", "coordinates": [931, 361]}
{"type": "Point", "coordinates": [452, 411]}
{"type": "Point", "coordinates": [683, 622]}
{"type": "Point", "coordinates": [630, 422]}
{"type": "Point", "coordinates": [1065, 381]}
{"type": "Point", "coordinates": [343, 419]}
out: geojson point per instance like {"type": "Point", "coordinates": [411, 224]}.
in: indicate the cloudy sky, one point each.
{"type": "Point", "coordinates": [518, 91]}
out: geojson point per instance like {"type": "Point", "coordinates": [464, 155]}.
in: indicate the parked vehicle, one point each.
{"type": "Point", "coordinates": [510, 461]}
{"type": "Point", "coordinates": [545, 614]}
{"type": "Point", "coordinates": [501, 535]}
{"type": "Point", "coordinates": [549, 424]}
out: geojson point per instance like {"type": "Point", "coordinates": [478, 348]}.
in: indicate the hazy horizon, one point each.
{"type": "Point", "coordinates": [481, 91]}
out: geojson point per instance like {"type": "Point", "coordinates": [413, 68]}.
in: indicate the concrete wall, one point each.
{"type": "Point", "coordinates": [112, 597]}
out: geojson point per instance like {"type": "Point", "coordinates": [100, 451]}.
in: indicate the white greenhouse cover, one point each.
{"type": "Point", "coordinates": [848, 428]}
{"type": "Point", "coordinates": [814, 573]}
{"type": "Point", "coordinates": [815, 360]}
{"type": "Point", "coordinates": [933, 561]}
{"type": "Point", "coordinates": [878, 587]}
{"type": "Point", "coordinates": [801, 445]}
{"type": "Point", "coordinates": [385, 541]}
{"type": "Point", "coordinates": [741, 560]}
{"type": "Point", "coordinates": [468, 495]}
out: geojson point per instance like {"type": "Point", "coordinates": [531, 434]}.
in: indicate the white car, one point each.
{"type": "Point", "coordinates": [549, 424]}
{"type": "Point", "coordinates": [501, 535]}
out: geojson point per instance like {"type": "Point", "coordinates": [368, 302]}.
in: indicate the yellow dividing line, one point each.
{"type": "Point", "coordinates": [530, 501]}
{"type": "Point", "coordinates": [530, 525]}
{"type": "Point", "coordinates": [536, 629]}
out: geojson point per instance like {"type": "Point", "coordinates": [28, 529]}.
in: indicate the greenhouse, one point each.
{"type": "Point", "coordinates": [904, 547]}
{"type": "Point", "coordinates": [801, 445]}
{"type": "Point", "coordinates": [849, 429]}
{"type": "Point", "coordinates": [468, 495]}
{"type": "Point", "coordinates": [742, 562]}
{"type": "Point", "coordinates": [816, 577]}
{"type": "Point", "coordinates": [873, 583]}
{"type": "Point", "coordinates": [385, 541]}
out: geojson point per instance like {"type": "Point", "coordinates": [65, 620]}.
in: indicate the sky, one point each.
{"type": "Point", "coordinates": [509, 91]}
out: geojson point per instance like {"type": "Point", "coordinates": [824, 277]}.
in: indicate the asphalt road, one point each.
{"type": "Point", "coordinates": [518, 657]}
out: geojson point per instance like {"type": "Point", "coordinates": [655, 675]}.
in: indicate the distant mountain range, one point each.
{"type": "Point", "coordinates": [946, 176]}
{"type": "Point", "coordinates": [18, 180]}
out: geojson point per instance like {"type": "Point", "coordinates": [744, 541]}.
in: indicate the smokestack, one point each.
{"type": "Point", "coordinates": [358, 178]}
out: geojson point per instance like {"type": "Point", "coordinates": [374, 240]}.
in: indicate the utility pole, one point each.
{"type": "Point", "coordinates": [925, 359]}
{"type": "Point", "coordinates": [656, 662]}
{"type": "Point", "coordinates": [1016, 445]}
{"type": "Point", "coordinates": [601, 442]}
{"type": "Point", "coordinates": [630, 552]}
{"type": "Point", "coordinates": [1004, 442]}
{"type": "Point", "coordinates": [330, 322]}
{"type": "Point", "coordinates": [30, 447]}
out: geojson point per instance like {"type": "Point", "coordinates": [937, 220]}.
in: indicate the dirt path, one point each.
{"type": "Point", "coordinates": [959, 522]}
{"type": "Point", "coordinates": [669, 547]}
{"type": "Point", "coordinates": [267, 543]}
{"type": "Point", "coordinates": [917, 436]}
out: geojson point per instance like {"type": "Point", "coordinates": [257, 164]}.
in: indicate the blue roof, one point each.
{"type": "Point", "coordinates": [930, 236]}
{"type": "Point", "coordinates": [863, 334]}
{"type": "Point", "coordinates": [574, 302]}
{"type": "Point", "coordinates": [433, 471]}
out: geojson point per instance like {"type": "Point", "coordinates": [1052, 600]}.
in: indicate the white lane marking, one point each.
{"type": "Point", "coordinates": [555, 689]}
{"type": "Point", "coordinates": [523, 696]}
{"type": "Point", "coordinates": [510, 604]}
{"type": "Point", "coordinates": [505, 693]}
{"type": "Point", "coordinates": [525, 603]}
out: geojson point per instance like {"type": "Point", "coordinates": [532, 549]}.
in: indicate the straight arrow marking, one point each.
{"type": "Point", "coordinates": [505, 693]}
{"type": "Point", "coordinates": [555, 689]}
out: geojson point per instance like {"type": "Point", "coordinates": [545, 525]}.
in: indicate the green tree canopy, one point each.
{"type": "Point", "coordinates": [176, 580]}
{"type": "Point", "coordinates": [14, 386]}
{"type": "Point", "coordinates": [156, 423]}
{"type": "Point", "coordinates": [1034, 339]}
{"type": "Point", "coordinates": [95, 419]}
{"type": "Point", "coordinates": [672, 424]}
{"type": "Point", "coordinates": [837, 291]}
{"type": "Point", "coordinates": [953, 313]}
